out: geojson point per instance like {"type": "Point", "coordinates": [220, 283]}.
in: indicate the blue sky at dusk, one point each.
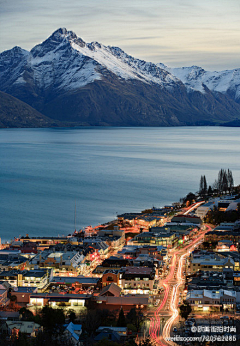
{"type": "Point", "coordinates": [177, 33]}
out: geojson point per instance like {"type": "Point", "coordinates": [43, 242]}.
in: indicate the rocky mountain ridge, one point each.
{"type": "Point", "coordinates": [83, 83]}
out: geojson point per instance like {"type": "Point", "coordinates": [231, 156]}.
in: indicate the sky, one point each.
{"type": "Point", "coordinates": [176, 33]}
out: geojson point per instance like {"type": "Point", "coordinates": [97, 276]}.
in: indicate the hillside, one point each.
{"type": "Point", "coordinates": [15, 113]}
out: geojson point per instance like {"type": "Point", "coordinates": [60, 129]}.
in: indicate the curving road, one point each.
{"type": "Point", "coordinates": [171, 285]}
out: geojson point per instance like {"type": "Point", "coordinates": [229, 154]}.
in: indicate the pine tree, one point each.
{"type": "Point", "coordinates": [230, 180]}
{"type": "Point", "coordinates": [121, 322]}
{"type": "Point", "coordinates": [201, 185]}
{"type": "Point", "coordinates": [204, 185]}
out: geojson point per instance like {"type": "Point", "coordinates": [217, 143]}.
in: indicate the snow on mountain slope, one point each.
{"type": "Point", "coordinates": [195, 77]}
{"type": "Point", "coordinates": [64, 61]}
{"type": "Point", "coordinates": [124, 65]}
{"type": "Point", "coordinates": [12, 63]}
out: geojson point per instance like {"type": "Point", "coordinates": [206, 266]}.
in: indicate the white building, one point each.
{"type": "Point", "coordinates": [206, 300]}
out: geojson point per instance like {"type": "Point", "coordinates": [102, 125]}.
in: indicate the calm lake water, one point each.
{"type": "Point", "coordinates": [105, 171]}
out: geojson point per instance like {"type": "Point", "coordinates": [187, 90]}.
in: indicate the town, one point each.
{"type": "Point", "coordinates": [163, 276]}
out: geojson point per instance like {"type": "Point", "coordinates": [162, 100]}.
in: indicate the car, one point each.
{"type": "Point", "coordinates": [224, 318]}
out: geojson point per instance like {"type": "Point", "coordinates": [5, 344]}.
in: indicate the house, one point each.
{"type": "Point", "coordinates": [25, 327]}
{"type": "Point", "coordinates": [115, 334]}
{"type": "Point", "coordinates": [111, 290]}
{"type": "Point", "coordinates": [9, 315]}
{"type": "Point", "coordinates": [73, 332]}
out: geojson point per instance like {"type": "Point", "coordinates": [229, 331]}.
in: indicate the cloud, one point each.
{"type": "Point", "coordinates": [176, 29]}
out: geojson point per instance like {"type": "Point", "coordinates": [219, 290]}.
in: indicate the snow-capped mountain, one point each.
{"type": "Point", "coordinates": [68, 79]}
{"type": "Point", "coordinates": [194, 78]}
{"type": "Point", "coordinates": [76, 63]}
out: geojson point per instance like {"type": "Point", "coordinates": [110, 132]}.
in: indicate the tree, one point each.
{"type": "Point", "coordinates": [225, 181]}
{"type": "Point", "coordinates": [185, 310]}
{"type": "Point", "coordinates": [72, 316]}
{"type": "Point", "coordinates": [132, 316]}
{"type": "Point", "coordinates": [135, 317]}
{"type": "Point", "coordinates": [121, 322]}
{"type": "Point", "coordinates": [146, 342]}
{"type": "Point", "coordinates": [27, 315]}
{"type": "Point", "coordinates": [190, 198]}
{"type": "Point", "coordinates": [52, 318]}
{"type": "Point", "coordinates": [106, 342]}
{"type": "Point", "coordinates": [230, 180]}
{"type": "Point", "coordinates": [97, 318]}
{"type": "Point", "coordinates": [210, 191]}
{"type": "Point", "coordinates": [204, 185]}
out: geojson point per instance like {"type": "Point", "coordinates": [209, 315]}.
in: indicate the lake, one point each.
{"type": "Point", "coordinates": [104, 171]}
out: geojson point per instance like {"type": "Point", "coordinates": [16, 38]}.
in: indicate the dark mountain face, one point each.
{"type": "Point", "coordinates": [15, 113]}
{"type": "Point", "coordinates": [69, 80]}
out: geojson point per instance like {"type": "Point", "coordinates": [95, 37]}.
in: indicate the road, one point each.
{"type": "Point", "coordinates": [158, 331]}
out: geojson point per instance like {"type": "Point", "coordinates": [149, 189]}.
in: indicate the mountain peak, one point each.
{"type": "Point", "coordinates": [63, 32]}
{"type": "Point", "coordinates": [60, 36]}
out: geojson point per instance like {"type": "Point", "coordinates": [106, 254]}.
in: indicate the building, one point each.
{"type": "Point", "coordinates": [210, 262]}
{"type": "Point", "coordinates": [111, 290]}
{"type": "Point", "coordinates": [112, 262]}
{"type": "Point", "coordinates": [13, 328]}
{"type": "Point", "coordinates": [187, 218]}
{"type": "Point", "coordinates": [137, 280]}
{"type": "Point", "coordinates": [166, 239]}
{"type": "Point", "coordinates": [45, 242]}
{"type": "Point", "coordinates": [209, 280]}
{"type": "Point", "coordinates": [72, 333]}
{"type": "Point", "coordinates": [110, 276]}
{"type": "Point", "coordinates": [114, 334]}
{"type": "Point", "coordinates": [39, 278]}
{"type": "Point", "coordinates": [224, 245]}
{"type": "Point", "coordinates": [125, 302]}
{"type": "Point", "coordinates": [203, 209]}
{"type": "Point", "coordinates": [68, 261]}
{"type": "Point", "coordinates": [57, 299]}
{"type": "Point", "coordinates": [23, 294]}
{"type": "Point", "coordinates": [216, 300]}
{"type": "Point", "coordinates": [4, 300]}
{"type": "Point", "coordinates": [79, 283]}
{"type": "Point", "coordinates": [117, 236]}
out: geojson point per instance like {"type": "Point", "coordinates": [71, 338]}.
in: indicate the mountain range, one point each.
{"type": "Point", "coordinates": [68, 82]}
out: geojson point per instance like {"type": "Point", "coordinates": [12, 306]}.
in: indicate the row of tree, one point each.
{"type": "Point", "coordinates": [223, 184]}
